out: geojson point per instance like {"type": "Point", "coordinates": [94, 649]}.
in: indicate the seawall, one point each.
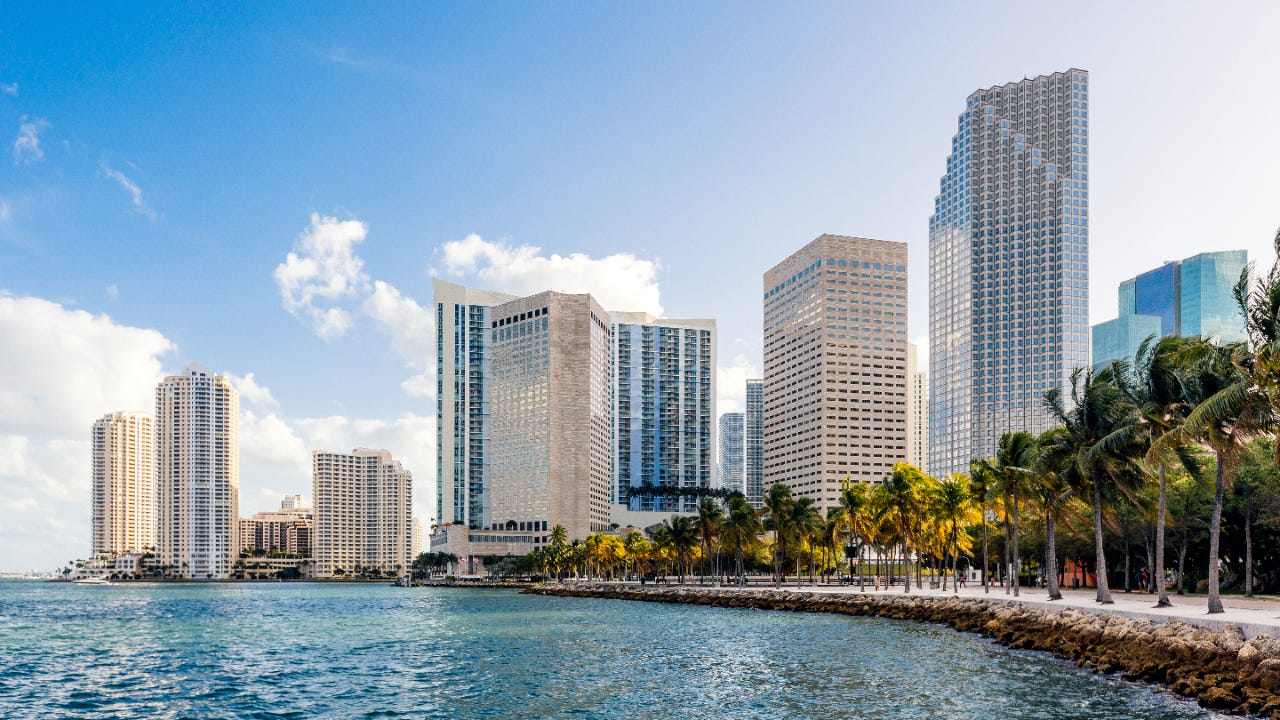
{"type": "Point", "coordinates": [1220, 669]}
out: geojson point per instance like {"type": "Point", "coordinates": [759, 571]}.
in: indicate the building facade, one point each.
{"type": "Point", "coordinates": [733, 463]}
{"type": "Point", "coordinates": [198, 458]}
{"type": "Point", "coordinates": [1192, 297]}
{"type": "Point", "coordinates": [918, 419]}
{"type": "Point", "coordinates": [1008, 265]}
{"type": "Point", "coordinates": [463, 334]}
{"type": "Point", "coordinates": [363, 513]}
{"type": "Point", "coordinates": [835, 365]}
{"type": "Point", "coordinates": [123, 514]}
{"type": "Point", "coordinates": [664, 397]}
{"type": "Point", "coordinates": [287, 530]}
{"type": "Point", "coordinates": [753, 443]}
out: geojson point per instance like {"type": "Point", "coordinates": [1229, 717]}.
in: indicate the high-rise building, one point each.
{"type": "Point", "coordinates": [753, 443]}
{"type": "Point", "coordinates": [835, 365]}
{"type": "Point", "coordinates": [124, 484]}
{"type": "Point", "coordinates": [198, 458]}
{"type": "Point", "coordinates": [363, 512]}
{"type": "Point", "coordinates": [287, 530]}
{"type": "Point", "coordinates": [463, 333]}
{"type": "Point", "coordinates": [1192, 297]}
{"type": "Point", "coordinates": [1008, 265]}
{"type": "Point", "coordinates": [664, 397]}
{"type": "Point", "coordinates": [918, 418]}
{"type": "Point", "coordinates": [732, 455]}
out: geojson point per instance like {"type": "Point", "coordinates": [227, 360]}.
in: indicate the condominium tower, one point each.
{"type": "Point", "coordinates": [198, 458]}
{"type": "Point", "coordinates": [1192, 297]}
{"type": "Point", "coordinates": [363, 512]}
{"type": "Point", "coordinates": [463, 334]}
{"type": "Point", "coordinates": [753, 443]}
{"type": "Point", "coordinates": [732, 460]}
{"type": "Point", "coordinates": [835, 365]}
{"type": "Point", "coordinates": [918, 419]}
{"type": "Point", "coordinates": [1008, 265]}
{"type": "Point", "coordinates": [664, 398]}
{"type": "Point", "coordinates": [124, 484]}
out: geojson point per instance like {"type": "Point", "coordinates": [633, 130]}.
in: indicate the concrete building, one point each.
{"type": "Point", "coordinates": [664, 398]}
{"type": "Point", "coordinates": [198, 454]}
{"type": "Point", "coordinates": [463, 334]}
{"type": "Point", "coordinates": [1008, 265]}
{"type": "Point", "coordinates": [753, 443]}
{"type": "Point", "coordinates": [287, 530]}
{"type": "Point", "coordinates": [733, 462]}
{"type": "Point", "coordinates": [123, 513]}
{"type": "Point", "coordinates": [835, 365]}
{"type": "Point", "coordinates": [1192, 297]}
{"type": "Point", "coordinates": [363, 513]}
{"type": "Point", "coordinates": [918, 419]}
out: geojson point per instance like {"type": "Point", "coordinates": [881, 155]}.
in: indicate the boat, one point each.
{"type": "Point", "coordinates": [93, 580]}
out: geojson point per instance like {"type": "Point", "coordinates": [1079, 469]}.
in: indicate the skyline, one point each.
{"type": "Point", "coordinates": [165, 165]}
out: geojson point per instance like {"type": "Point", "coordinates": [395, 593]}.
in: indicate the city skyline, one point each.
{"type": "Point", "coordinates": [310, 209]}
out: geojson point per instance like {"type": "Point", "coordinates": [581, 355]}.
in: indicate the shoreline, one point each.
{"type": "Point", "coordinates": [1219, 668]}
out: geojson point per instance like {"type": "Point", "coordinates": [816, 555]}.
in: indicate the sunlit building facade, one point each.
{"type": "Point", "coordinates": [363, 516]}
{"type": "Point", "coordinates": [123, 513]}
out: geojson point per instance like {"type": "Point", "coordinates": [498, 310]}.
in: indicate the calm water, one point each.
{"type": "Point", "coordinates": [304, 651]}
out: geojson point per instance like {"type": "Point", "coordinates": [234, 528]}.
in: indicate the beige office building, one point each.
{"type": "Point", "coordinates": [835, 365]}
{"type": "Point", "coordinates": [124, 484]}
{"type": "Point", "coordinates": [918, 418]}
{"type": "Point", "coordinates": [198, 454]}
{"type": "Point", "coordinates": [287, 530]}
{"type": "Point", "coordinates": [363, 513]}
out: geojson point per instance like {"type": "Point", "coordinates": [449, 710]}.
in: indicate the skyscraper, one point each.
{"type": "Point", "coordinates": [664, 398]}
{"type": "Point", "coordinates": [463, 334]}
{"type": "Point", "coordinates": [124, 484]}
{"type": "Point", "coordinates": [1191, 297]}
{"type": "Point", "coordinates": [732, 463]}
{"type": "Point", "coordinates": [753, 443]}
{"type": "Point", "coordinates": [835, 365]}
{"type": "Point", "coordinates": [363, 512]}
{"type": "Point", "coordinates": [918, 417]}
{"type": "Point", "coordinates": [198, 454]}
{"type": "Point", "coordinates": [1008, 265]}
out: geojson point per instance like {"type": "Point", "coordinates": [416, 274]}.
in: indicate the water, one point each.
{"type": "Point", "coordinates": [359, 651]}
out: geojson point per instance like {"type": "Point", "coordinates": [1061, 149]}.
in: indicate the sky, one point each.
{"type": "Point", "coordinates": [268, 191]}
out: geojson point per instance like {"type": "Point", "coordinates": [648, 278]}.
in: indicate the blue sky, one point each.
{"type": "Point", "coordinates": [161, 164]}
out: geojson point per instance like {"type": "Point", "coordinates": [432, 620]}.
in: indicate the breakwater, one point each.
{"type": "Point", "coordinates": [1220, 669]}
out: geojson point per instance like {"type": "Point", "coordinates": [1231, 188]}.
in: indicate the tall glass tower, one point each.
{"type": "Point", "coordinates": [1008, 265]}
{"type": "Point", "coordinates": [753, 443]}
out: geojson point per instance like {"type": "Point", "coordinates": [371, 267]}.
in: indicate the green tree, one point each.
{"type": "Point", "coordinates": [739, 529]}
{"type": "Point", "coordinates": [778, 504]}
{"type": "Point", "coordinates": [981, 481]}
{"type": "Point", "coordinates": [954, 504]}
{"type": "Point", "coordinates": [855, 512]}
{"type": "Point", "coordinates": [1053, 484]}
{"type": "Point", "coordinates": [806, 524]}
{"type": "Point", "coordinates": [680, 534]}
{"type": "Point", "coordinates": [709, 516]}
{"type": "Point", "coordinates": [902, 500]}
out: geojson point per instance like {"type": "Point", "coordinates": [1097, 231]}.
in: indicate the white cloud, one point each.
{"type": "Point", "coordinates": [135, 193]}
{"type": "Point", "coordinates": [411, 328]}
{"type": "Point", "coordinates": [9, 88]}
{"type": "Point", "coordinates": [620, 281]}
{"type": "Point", "coordinates": [731, 384]}
{"type": "Point", "coordinates": [59, 371]}
{"type": "Point", "coordinates": [113, 291]}
{"type": "Point", "coordinates": [26, 148]}
{"type": "Point", "coordinates": [251, 392]}
{"type": "Point", "coordinates": [321, 273]}
{"type": "Point", "coordinates": [269, 440]}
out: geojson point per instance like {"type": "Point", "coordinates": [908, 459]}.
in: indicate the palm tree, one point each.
{"type": "Point", "coordinates": [954, 504]}
{"type": "Point", "coordinates": [681, 535]}
{"type": "Point", "coordinates": [806, 523]}
{"type": "Point", "coordinates": [777, 507]}
{"type": "Point", "coordinates": [1097, 410]}
{"type": "Point", "coordinates": [1053, 484]}
{"type": "Point", "coordinates": [558, 550]}
{"type": "Point", "coordinates": [739, 529]}
{"type": "Point", "coordinates": [1014, 456]}
{"type": "Point", "coordinates": [981, 480]}
{"type": "Point", "coordinates": [855, 513]}
{"type": "Point", "coordinates": [709, 516]}
{"type": "Point", "coordinates": [902, 501]}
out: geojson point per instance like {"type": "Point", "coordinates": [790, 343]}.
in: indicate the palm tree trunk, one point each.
{"type": "Point", "coordinates": [1215, 523]}
{"type": "Point", "coordinates": [1051, 554]}
{"type": "Point", "coordinates": [1104, 592]}
{"type": "Point", "coordinates": [986, 587]}
{"type": "Point", "coordinates": [1008, 548]}
{"type": "Point", "coordinates": [1248, 553]}
{"type": "Point", "coordinates": [1017, 561]}
{"type": "Point", "coordinates": [1182, 562]}
{"type": "Point", "coordinates": [906, 567]}
{"type": "Point", "coordinates": [1158, 575]}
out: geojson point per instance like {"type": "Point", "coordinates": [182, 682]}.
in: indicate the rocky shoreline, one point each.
{"type": "Point", "coordinates": [1219, 669]}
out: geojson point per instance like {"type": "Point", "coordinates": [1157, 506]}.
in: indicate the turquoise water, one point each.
{"type": "Point", "coordinates": [358, 651]}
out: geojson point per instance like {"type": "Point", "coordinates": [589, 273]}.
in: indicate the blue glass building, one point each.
{"type": "Point", "coordinates": [1191, 297]}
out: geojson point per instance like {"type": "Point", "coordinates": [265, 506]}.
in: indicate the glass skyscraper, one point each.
{"type": "Point", "coordinates": [753, 443]}
{"type": "Point", "coordinates": [1192, 297]}
{"type": "Point", "coordinates": [732, 457]}
{"type": "Point", "coordinates": [1008, 265]}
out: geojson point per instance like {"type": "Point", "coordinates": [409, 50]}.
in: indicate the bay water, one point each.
{"type": "Point", "coordinates": [299, 650]}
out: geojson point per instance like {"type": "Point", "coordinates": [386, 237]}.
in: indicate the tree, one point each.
{"type": "Point", "coordinates": [1014, 456]}
{"type": "Point", "coordinates": [981, 480]}
{"type": "Point", "coordinates": [739, 529]}
{"type": "Point", "coordinates": [954, 504]}
{"type": "Point", "coordinates": [777, 507]}
{"type": "Point", "coordinates": [1055, 479]}
{"type": "Point", "coordinates": [903, 503]}
{"type": "Point", "coordinates": [680, 534]}
{"type": "Point", "coordinates": [1096, 410]}
{"type": "Point", "coordinates": [855, 514]}
{"type": "Point", "coordinates": [709, 515]}
{"type": "Point", "coordinates": [806, 523]}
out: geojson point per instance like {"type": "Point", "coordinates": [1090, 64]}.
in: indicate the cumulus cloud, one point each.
{"type": "Point", "coordinates": [620, 281]}
{"type": "Point", "coordinates": [26, 148]}
{"type": "Point", "coordinates": [251, 391]}
{"type": "Point", "coordinates": [60, 370]}
{"type": "Point", "coordinates": [322, 273]}
{"type": "Point", "coordinates": [411, 329]}
{"type": "Point", "coordinates": [731, 384]}
{"type": "Point", "coordinates": [135, 193]}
